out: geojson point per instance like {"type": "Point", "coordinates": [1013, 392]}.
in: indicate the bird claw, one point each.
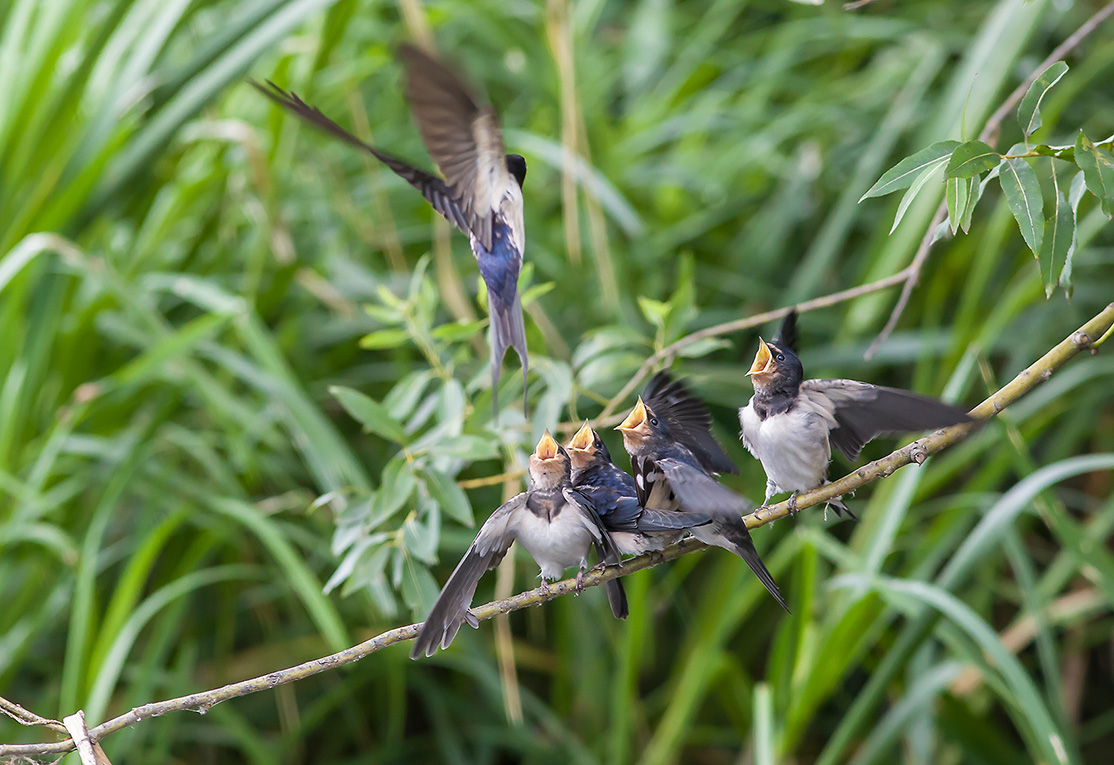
{"type": "Point", "coordinates": [580, 581]}
{"type": "Point", "coordinates": [545, 588]}
{"type": "Point", "coordinates": [793, 504]}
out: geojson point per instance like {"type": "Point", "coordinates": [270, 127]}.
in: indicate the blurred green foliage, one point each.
{"type": "Point", "coordinates": [243, 379]}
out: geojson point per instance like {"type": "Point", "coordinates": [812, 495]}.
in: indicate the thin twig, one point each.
{"type": "Point", "coordinates": [988, 135]}
{"type": "Point", "coordinates": [918, 451]}
{"type": "Point", "coordinates": [27, 717]}
{"type": "Point", "coordinates": [738, 325]}
{"type": "Point", "coordinates": [491, 480]}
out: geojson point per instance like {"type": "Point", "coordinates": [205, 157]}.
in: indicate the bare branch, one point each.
{"type": "Point", "coordinates": [26, 717]}
{"type": "Point", "coordinates": [918, 451]}
{"type": "Point", "coordinates": [989, 135]}
{"type": "Point", "coordinates": [739, 325]}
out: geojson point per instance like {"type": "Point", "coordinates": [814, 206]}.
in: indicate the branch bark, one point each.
{"type": "Point", "coordinates": [988, 135]}
{"type": "Point", "coordinates": [1080, 340]}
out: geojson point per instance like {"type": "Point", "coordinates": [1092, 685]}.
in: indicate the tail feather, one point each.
{"type": "Point", "coordinates": [609, 556]}
{"type": "Point", "coordinates": [451, 609]}
{"type": "Point", "coordinates": [840, 508]}
{"type": "Point", "coordinates": [507, 331]}
{"type": "Point", "coordinates": [617, 598]}
{"type": "Point", "coordinates": [734, 537]}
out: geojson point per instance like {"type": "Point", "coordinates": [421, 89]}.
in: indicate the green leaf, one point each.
{"type": "Point", "coordinates": [384, 338]}
{"type": "Point", "coordinates": [702, 347]}
{"type": "Point", "coordinates": [1097, 165]}
{"type": "Point", "coordinates": [369, 413]}
{"type": "Point", "coordinates": [1027, 707]}
{"type": "Point", "coordinates": [902, 174]}
{"type": "Point", "coordinates": [655, 311]}
{"type": "Point", "coordinates": [911, 194]}
{"type": "Point", "coordinates": [458, 330]}
{"type": "Point", "coordinates": [402, 399]}
{"type": "Point", "coordinates": [971, 159]}
{"type": "Point", "coordinates": [1074, 195]}
{"type": "Point", "coordinates": [956, 197]}
{"type": "Point", "coordinates": [465, 447]}
{"type": "Point", "coordinates": [764, 729]}
{"type": "Point", "coordinates": [384, 314]}
{"type": "Point", "coordinates": [419, 589]}
{"type": "Point", "coordinates": [421, 539]}
{"type": "Point", "coordinates": [1023, 195]}
{"type": "Point", "coordinates": [397, 485]}
{"type": "Point", "coordinates": [1029, 112]}
{"type": "Point", "coordinates": [449, 496]}
{"type": "Point", "coordinates": [1059, 235]}
{"type": "Point", "coordinates": [974, 193]}
{"type": "Point", "coordinates": [535, 292]}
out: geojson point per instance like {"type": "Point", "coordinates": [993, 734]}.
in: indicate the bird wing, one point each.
{"type": "Point", "coordinates": [786, 337]}
{"type": "Point", "coordinates": [618, 511]}
{"type": "Point", "coordinates": [431, 187]}
{"type": "Point", "coordinates": [687, 419]}
{"type": "Point", "coordinates": [451, 609]}
{"type": "Point", "coordinates": [699, 492]}
{"type": "Point", "coordinates": [462, 136]}
{"type": "Point", "coordinates": [605, 548]}
{"type": "Point", "coordinates": [609, 553]}
{"type": "Point", "coordinates": [863, 411]}
{"type": "Point", "coordinates": [670, 520]}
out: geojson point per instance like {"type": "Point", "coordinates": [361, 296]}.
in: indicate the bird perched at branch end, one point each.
{"type": "Point", "coordinates": [791, 424]}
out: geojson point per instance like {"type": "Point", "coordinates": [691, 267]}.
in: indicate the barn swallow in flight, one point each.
{"type": "Point", "coordinates": [482, 191]}
{"type": "Point", "coordinates": [791, 424]}
{"type": "Point", "coordinates": [611, 490]}
{"type": "Point", "coordinates": [674, 458]}
{"type": "Point", "coordinates": [555, 524]}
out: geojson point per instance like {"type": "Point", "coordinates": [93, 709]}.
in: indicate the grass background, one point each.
{"type": "Point", "coordinates": [186, 276]}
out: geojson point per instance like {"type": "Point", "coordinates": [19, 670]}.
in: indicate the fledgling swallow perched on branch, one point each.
{"type": "Point", "coordinates": [611, 490]}
{"type": "Point", "coordinates": [674, 458]}
{"type": "Point", "coordinates": [482, 191]}
{"type": "Point", "coordinates": [791, 424]}
{"type": "Point", "coordinates": [555, 524]}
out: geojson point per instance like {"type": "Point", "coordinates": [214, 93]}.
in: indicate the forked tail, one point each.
{"type": "Point", "coordinates": [507, 331]}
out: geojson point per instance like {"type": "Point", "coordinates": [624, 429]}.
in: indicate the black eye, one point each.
{"type": "Point", "coordinates": [779, 357]}
{"type": "Point", "coordinates": [654, 421]}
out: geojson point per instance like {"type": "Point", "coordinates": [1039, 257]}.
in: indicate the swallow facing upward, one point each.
{"type": "Point", "coordinates": [611, 490]}
{"type": "Point", "coordinates": [791, 424]}
{"type": "Point", "coordinates": [481, 193]}
{"type": "Point", "coordinates": [674, 458]}
{"type": "Point", "coordinates": [555, 524]}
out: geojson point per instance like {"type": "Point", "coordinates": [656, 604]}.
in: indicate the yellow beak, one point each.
{"type": "Point", "coordinates": [547, 447]}
{"type": "Point", "coordinates": [583, 438]}
{"type": "Point", "coordinates": [762, 359]}
{"type": "Point", "coordinates": [636, 417]}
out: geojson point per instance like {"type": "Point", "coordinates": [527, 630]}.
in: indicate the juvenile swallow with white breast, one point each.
{"type": "Point", "coordinates": [791, 424]}
{"type": "Point", "coordinates": [555, 524]}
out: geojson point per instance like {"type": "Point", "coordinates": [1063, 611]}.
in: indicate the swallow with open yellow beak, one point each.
{"type": "Point", "coordinates": [481, 193]}
{"type": "Point", "coordinates": [791, 424]}
{"type": "Point", "coordinates": [611, 490]}
{"type": "Point", "coordinates": [674, 458]}
{"type": "Point", "coordinates": [555, 524]}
